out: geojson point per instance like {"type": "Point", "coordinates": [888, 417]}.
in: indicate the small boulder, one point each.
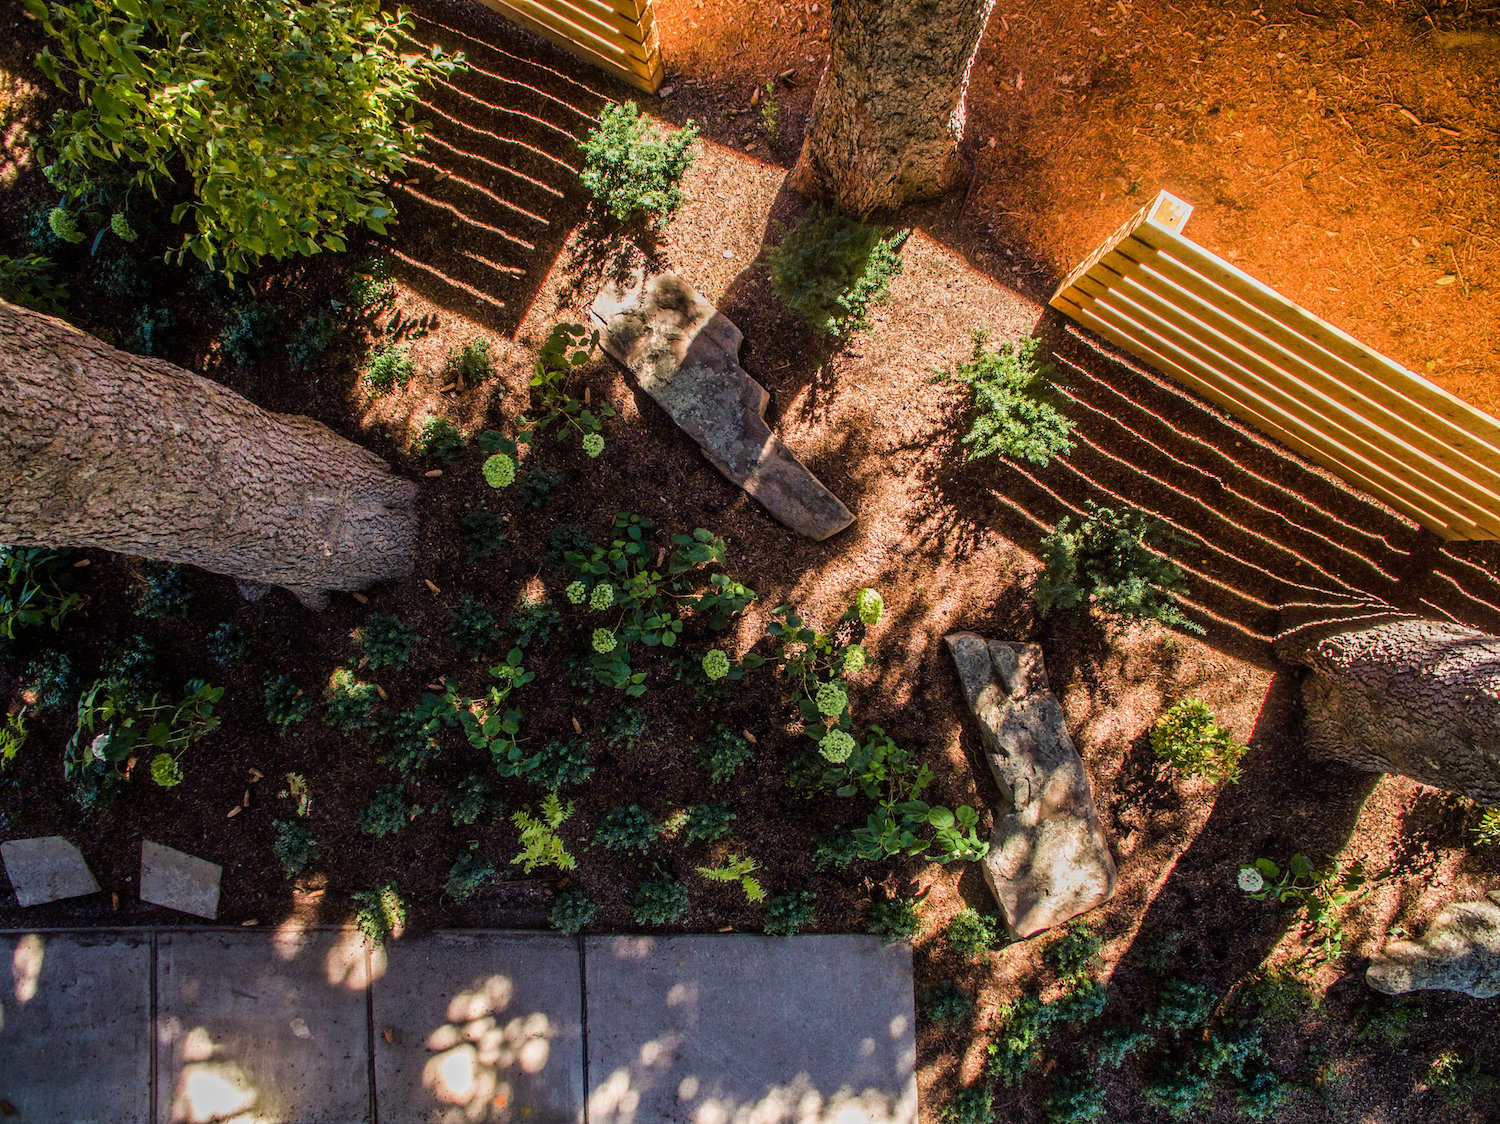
{"type": "Point", "coordinates": [179, 881]}
{"type": "Point", "coordinates": [47, 869]}
{"type": "Point", "coordinates": [685, 355]}
{"type": "Point", "coordinates": [1049, 860]}
{"type": "Point", "coordinates": [1460, 952]}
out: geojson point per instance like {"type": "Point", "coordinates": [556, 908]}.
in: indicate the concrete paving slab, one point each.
{"type": "Point", "coordinates": [179, 881]}
{"type": "Point", "coordinates": [75, 1028]}
{"type": "Point", "coordinates": [713, 1029]}
{"type": "Point", "coordinates": [46, 870]}
{"type": "Point", "coordinates": [256, 1028]}
{"type": "Point", "coordinates": [473, 1027]}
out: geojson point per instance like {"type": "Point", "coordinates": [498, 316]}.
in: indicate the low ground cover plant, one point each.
{"type": "Point", "coordinates": [634, 169]}
{"type": "Point", "coordinates": [1012, 404]}
{"type": "Point", "coordinates": [831, 270]}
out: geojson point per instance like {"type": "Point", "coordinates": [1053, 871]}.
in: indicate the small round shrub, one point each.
{"type": "Point", "coordinates": [788, 914]}
{"type": "Point", "coordinates": [380, 914]}
{"type": "Point", "coordinates": [973, 1105]}
{"type": "Point", "coordinates": [227, 645]}
{"type": "Point", "coordinates": [562, 763]}
{"type": "Point", "coordinates": [294, 846]}
{"type": "Point", "coordinates": [386, 641]}
{"type": "Point", "coordinates": [831, 269]}
{"type": "Point", "coordinates": [389, 366]}
{"type": "Point", "coordinates": [708, 823]}
{"type": "Point", "coordinates": [630, 169]}
{"type": "Point", "coordinates": [627, 828]}
{"type": "Point", "coordinates": [947, 1002]}
{"type": "Point", "coordinates": [572, 912]}
{"type": "Point", "coordinates": [286, 703]}
{"type": "Point", "coordinates": [1187, 736]}
{"type": "Point", "coordinates": [468, 873]}
{"type": "Point", "coordinates": [439, 439]}
{"type": "Point", "coordinates": [386, 813]}
{"type": "Point", "coordinates": [973, 933]}
{"type": "Point", "coordinates": [349, 703]}
{"type": "Point", "coordinates": [893, 917]}
{"type": "Point", "coordinates": [471, 626]}
{"type": "Point", "coordinates": [662, 902]}
{"type": "Point", "coordinates": [723, 754]}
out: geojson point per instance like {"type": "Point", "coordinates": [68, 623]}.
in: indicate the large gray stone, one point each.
{"type": "Point", "coordinates": [75, 1028]}
{"type": "Point", "coordinates": [46, 870]}
{"type": "Point", "coordinates": [1459, 952]}
{"type": "Point", "coordinates": [685, 354]}
{"type": "Point", "coordinates": [480, 1027]}
{"type": "Point", "coordinates": [179, 881]}
{"type": "Point", "coordinates": [1049, 860]}
{"type": "Point", "coordinates": [260, 1029]}
{"type": "Point", "coordinates": [715, 1029]}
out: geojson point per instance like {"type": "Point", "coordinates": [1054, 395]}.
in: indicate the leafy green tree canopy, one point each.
{"type": "Point", "coordinates": [283, 117]}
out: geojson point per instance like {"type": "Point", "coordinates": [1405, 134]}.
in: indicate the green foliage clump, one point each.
{"type": "Point", "coordinates": [12, 736]}
{"type": "Point", "coordinates": [1075, 1099]}
{"type": "Point", "coordinates": [471, 626]}
{"type": "Point", "coordinates": [245, 338]}
{"type": "Point", "coordinates": [893, 917]}
{"type": "Point", "coordinates": [1320, 895]}
{"type": "Point", "coordinates": [568, 347]}
{"type": "Point", "coordinates": [387, 642]}
{"type": "Point", "coordinates": [115, 724]}
{"type": "Point", "coordinates": [349, 703]}
{"type": "Point", "coordinates": [414, 735]}
{"type": "Point", "coordinates": [480, 533]}
{"type": "Point", "coordinates": [470, 364]}
{"type": "Point", "coordinates": [723, 754]}
{"type": "Point", "coordinates": [708, 823]}
{"type": "Point", "coordinates": [1014, 406]}
{"type": "Point", "coordinates": [660, 902]}
{"type": "Point", "coordinates": [286, 703]}
{"type": "Point", "coordinates": [770, 112]}
{"type": "Point", "coordinates": [380, 914]}
{"type": "Point", "coordinates": [1111, 560]}
{"type": "Point", "coordinates": [831, 269]}
{"type": "Point", "coordinates": [974, 1104]}
{"type": "Point", "coordinates": [631, 169]}
{"type": "Point", "coordinates": [228, 645]}
{"type": "Point", "coordinates": [51, 681]}
{"type": "Point", "coordinates": [741, 869]}
{"type": "Point", "coordinates": [540, 843]}
{"type": "Point", "coordinates": [315, 335]}
{"type": "Point", "coordinates": [561, 763]}
{"type": "Point", "coordinates": [788, 914]}
{"type": "Point", "coordinates": [176, 100]}
{"type": "Point", "coordinates": [163, 594]}
{"type": "Point", "coordinates": [532, 621]}
{"type": "Point", "coordinates": [468, 873]}
{"type": "Point", "coordinates": [624, 726]}
{"type": "Point", "coordinates": [386, 813]}
{"type": "Point", "coordinates": [538, 485]}
{"type": "Point", "coordinates": [1026, 1023]}
{"type": "Point", "coordinates": [388, 366]}
{"type": "Point", "coordinates": [439, 439]}
{"type": "Point", "coordinates": [627, 828]}
{"type": "Point", "coordinates": [294, 847]}
{"type": "Point", "coordinates": [571, 912]}
{"type": "Point", "coordinates": [972, 933]}
{"type": "Point", "coordinates": [471, 800]}
{"type": "Point", "coordinates": [1457, 1082]}
{"type": "Point", "coordinates": [1488, 828]}
{"type": "Point", "coordinates": [371, 287]}
{"type": "Point", "coordinates": [33, 589]}
{"type": "Point", "coordinates": [947, 1002]}
{"type": "Point", "coordinates": [1188, 737]}
{"type": "Point", "coordinates": [28, 281]}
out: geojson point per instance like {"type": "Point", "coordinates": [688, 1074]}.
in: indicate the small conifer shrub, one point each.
{"type": "Point", "coordinates": [831, 269]}
{"type": "Point", "coordinates": [632, 170]}
{"type": "Point", "coordinates": [1013, 405]}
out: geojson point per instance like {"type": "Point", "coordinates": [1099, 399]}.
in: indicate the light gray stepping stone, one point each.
{"type": "Point", "coordinates": [773, 1030]}
{"type": "Point", "coordinates": [75, 1028]}
{"type": "Point", "coordinates": [260, 1030]}
{"type": "Point", "coordinates": [1459, 952]}
{"type": "Point", "coordinates": [479, 1027]}
{"type": "Point", "coordinates": [684, 354]}
{"type": "Point", "coordinates": [47, 869]}
{"type": "Point", "coordinates": [179, 881]}
{"type": "Point", "coordinates": [1049, 860]}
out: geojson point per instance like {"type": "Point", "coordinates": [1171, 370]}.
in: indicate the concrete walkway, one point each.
{"type": "Point", "coordinates": [244, 1026]}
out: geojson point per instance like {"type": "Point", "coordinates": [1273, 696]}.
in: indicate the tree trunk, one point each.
{"type": "Point", "coordinates": [890, 109]}
{"type": "Point", "coordinates": [1415, 697]}
{"type": "Point", "coordinates": [100, 448]}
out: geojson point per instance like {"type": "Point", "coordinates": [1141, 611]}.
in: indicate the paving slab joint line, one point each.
{"type": "Point", "coordinates": [152, 1033]}
{"type": "Point", "coordinates": [373, 1116]}
{"type": "Point", "coordinates": [583, 1019]}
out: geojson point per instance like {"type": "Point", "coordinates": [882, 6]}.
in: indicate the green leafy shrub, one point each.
{"type": "Point", "coordinates": [561, 763]}
{"type": "Point", "coordinates": [471, 626]}
{"type": "Point", "coordinates": [228, 645]}
{"type": "Point", "coordinates": [380, 914]}
{"type": "Point", "coordinates": [1075, 1099]}
{"type": "Point", "coordinates": [387, 642]}
{"type": "Point", "coordinates": [571, 912]}
{"type": "Point", "coordinates": [974, 1104]}
{"type": "Point", "coordinates": [28, 281]}
{"type": "Point", "coordinates": [538, 485]}
{"type": "Point", "coordinates": [174, 93]}
{"type": "Point", "coordinates": [831, 269]}
{"type": "Point", "coordinates": [470, 364]}
{"type": "Point", "coordinates": [723, 754]}
{"type": "Point", "coordinates": [947, 1002]}
{"type": "Point", "coordinates": [1074, 955]}
{"type": "Point", "coordinates": [1320, 895]}
{"type": "Point", "coordinates": [286, 703]}
{"type": "Point", "coordinates": [632, 169]}
{"type": "Point", "coordinates": [315, 336]}
{"type": "Point", "coordinates": [162, 594]}
{"type": "Point", "coordinates": [893, 917]}
{"type": "Point", "coordinates": [349, 703]}
{"type": "Point", "coordinates": [627, 828]}
{"type": "Point", "coordinates": [245, 338]}
{"type": "Point", "coordinates": [540, 843]}
{"type": "Point", "coordinates": [532, 621]}
{"type": "Point", "coordinates": [439, 439]}
{"type": "Point", "coordinates": [1119, 1044]}
{"type": "Point", "coordinates": [51, 680]}
{"type": "Point", "coordinates": [624, 726]}
{"type": "Point", "coordinates": [788, 914]}
{"type": "Point", "coordinates": [1188, 737]}
{"type": "Point", "coordinates": [1488, 829]}
{"type": "Point", "coordinates": [1026, 1023]}
{"type": "Point", "coordinates": [660, 902]}
{"type": "Point", "coordinates": [114, 724]}
{"type": "Point", "coordinates": [708, 823]}
{"type": "Point", "coordinates": [12, 736]}
{"type": "Point", "coordinates": [1111, 560]}
{"type": "Point", "coordinates": [480, 533]}
{"type": "Point", "coordinates": [33, 589]}
{"type": "Point", "coordinates": [388, 366]}
{"type": "Point", "coordinates": [473, 799]}
{"type": "Point", "coordinates": [741, 869]}
{"type": "Point", "coordinates": [972, 934]}
{"type": "Point", "coordinates": [468, 873]}
{"type": "Point", "coordinates": [770, 112]}
{"type": "Point", "coordinates": [568, 346]}
{"type": "Point", "coordinates": [371, 287]}
{"type": "Point", "coordinates": [415, 736]}
{"type": "Point", "coordinates": [294, 847]}
{"type": "Point", "coordinates": [386, 813]}
{"type": "Point", "coordinates": [1013, 404]}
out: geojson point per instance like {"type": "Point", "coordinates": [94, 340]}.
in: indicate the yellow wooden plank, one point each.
{"type": "Point", "coordinates": [1245, 374]}
{"type": "Point", "coordinates": [1439, 462]}
{"type": "Point", "coordinates": [599, 17]}
{"type": "Point", "coordinates": [1339, 343]}
{"type": "Point", "coordinates": [581, 27]}
{"type": "Point", "coordinates": [643, 74]}
{"type": "Point", "coordinates": [1154, 342]}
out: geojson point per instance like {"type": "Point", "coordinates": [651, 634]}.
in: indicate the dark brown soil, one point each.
{"type": "Point", "coordinates": [1115, 101]}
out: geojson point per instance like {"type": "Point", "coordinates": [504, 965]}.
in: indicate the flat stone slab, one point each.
{"type": "Point", "coordinates": [47, 869]}
{"type": "Point", "coordinates": [179, 881]}
{"type": "Point", "coordinates": [480, 1027]}
{"type": "Point", "coordinates": [261, 1029]}
{"type": "Point", "coordinates": [1459, 952]}
{"type": "Point", "coordinates": [75, 1028]}
{"type": "Point", "coordinates": [685, 355]}
{"type": "Point", "coordinates": [717, 1029]}
{"type": "Point", "coordinates": [1049, 860]}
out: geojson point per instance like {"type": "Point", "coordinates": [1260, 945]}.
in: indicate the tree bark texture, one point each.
{"type": "Point", "coordinates": [1415, 697]}
{"type": "Point", "coordinates": [889, 111]}
{"type": "Point", "coordinates": [100, 448]}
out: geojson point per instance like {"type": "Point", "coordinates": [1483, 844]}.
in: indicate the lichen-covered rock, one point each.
{"type": "Point", "coordinates": [1049, 860]}
{"type": "Point", "coordinates": [685, 354]}
{"type": "Point", "coordinates": [1459, 952]}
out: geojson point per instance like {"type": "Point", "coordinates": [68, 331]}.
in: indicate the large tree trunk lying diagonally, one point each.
{"type": "Point", "coordinates": [100, 448]}
{"type": "Point", "coordinates": [1400, 695]}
